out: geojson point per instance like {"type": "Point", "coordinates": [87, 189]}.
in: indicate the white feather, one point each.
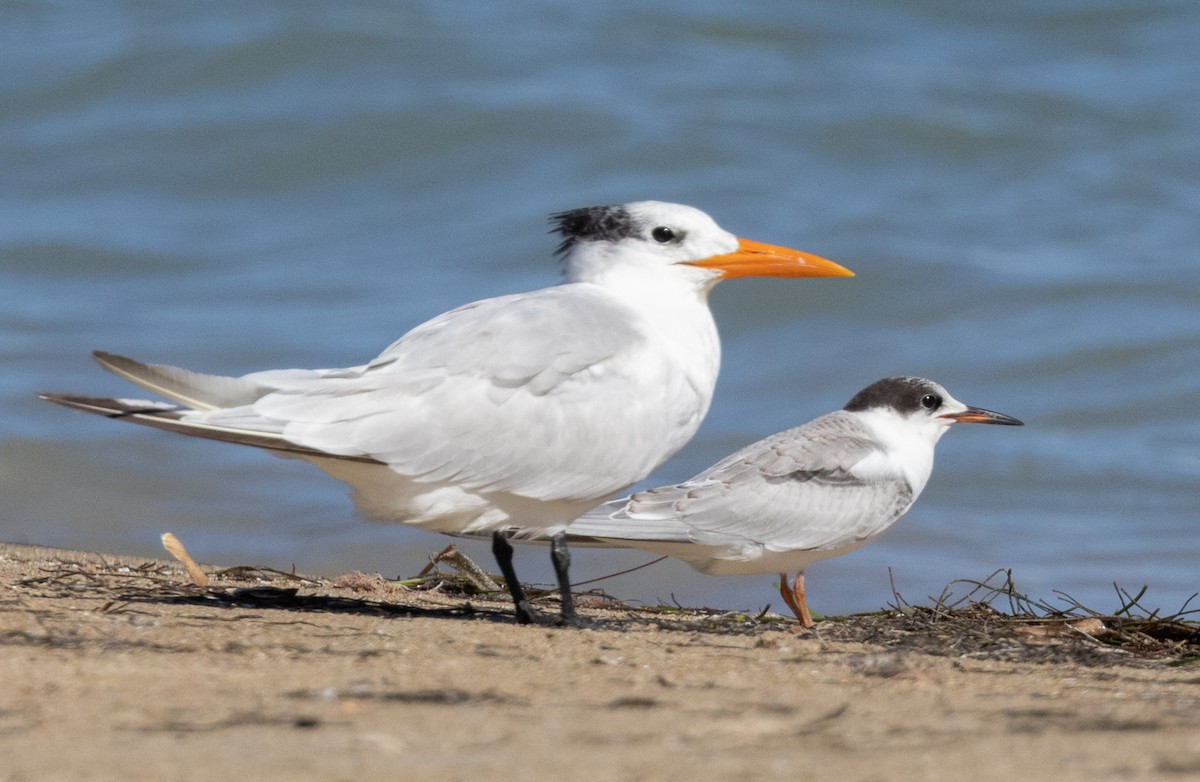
{"type": "Point", "coordinates": [524, 409]}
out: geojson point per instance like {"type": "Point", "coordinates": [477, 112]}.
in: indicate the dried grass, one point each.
{"type": "Point", "coordinates": [993, 619]}
{"type": "Point", "coordinates": [986, 619]}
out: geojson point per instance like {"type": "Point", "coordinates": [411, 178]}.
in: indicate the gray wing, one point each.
{"type": "Point", "coordinates": [191, 389]}
{"type": "Point", "coordinates": [528, 394]}
{"type": "Point", "coordinates": [161, 415]}
{"type": "Point", "coordinates": [793, 491]}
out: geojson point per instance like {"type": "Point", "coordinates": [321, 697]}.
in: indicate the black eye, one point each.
{"type": "Point", "coordinates": [931, 401]}
{"type": "Point", "coordinates": [662, 234]}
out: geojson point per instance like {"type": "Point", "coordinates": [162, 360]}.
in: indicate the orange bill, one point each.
{"type": "Point", "coordinates": [755, 259]}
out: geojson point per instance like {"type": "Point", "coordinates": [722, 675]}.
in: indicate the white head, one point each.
{"type": "Point", "coordinates": [603, 242]}
{"type": "Point", "coordinates": [909, 415]}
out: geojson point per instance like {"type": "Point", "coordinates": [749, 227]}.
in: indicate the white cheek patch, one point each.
{"type": "Point", "coordinates": [907, 453]}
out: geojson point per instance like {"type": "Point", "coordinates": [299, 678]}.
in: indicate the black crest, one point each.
{"type": "Point", "coordinates": [902, 394]}
{"type": "Point", "coordinates": [592, 223]}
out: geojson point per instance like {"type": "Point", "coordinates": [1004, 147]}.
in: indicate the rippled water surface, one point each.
{"type": "Point", "coordinates": [237, 186]}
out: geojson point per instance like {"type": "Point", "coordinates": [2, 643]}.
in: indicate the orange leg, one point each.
{"type": "Point", "coordinates": [793, 595]}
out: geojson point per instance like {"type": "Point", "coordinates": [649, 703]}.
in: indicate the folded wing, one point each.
{"type": "Point", "coordinates": [794, 491]}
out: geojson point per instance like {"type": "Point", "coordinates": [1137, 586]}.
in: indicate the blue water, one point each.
{"type": "Point", "coordinates": [238, 186]}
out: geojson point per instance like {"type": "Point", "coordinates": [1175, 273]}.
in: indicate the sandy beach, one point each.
{"type": "Point", "coordinates": [121, 668]}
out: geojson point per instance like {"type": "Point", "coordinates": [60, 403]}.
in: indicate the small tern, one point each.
{"type": "Point", "coordinates": [810, 493]}
{"type": "Point", "coordinates": [523, 410]}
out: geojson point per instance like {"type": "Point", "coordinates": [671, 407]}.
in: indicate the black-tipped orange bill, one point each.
{"type": "Point", "coordinates": [755, 259]}
{"type": "Point", "coordinates": [977, 415]}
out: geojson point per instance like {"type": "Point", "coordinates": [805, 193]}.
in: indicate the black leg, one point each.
{"type": "Point", "coordinates": [503, 552]}
{"type": "Point", "coordinates": [560, 555]}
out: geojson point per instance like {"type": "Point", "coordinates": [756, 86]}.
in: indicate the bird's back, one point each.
{"type": "Point", "coordinates": [792, 497]}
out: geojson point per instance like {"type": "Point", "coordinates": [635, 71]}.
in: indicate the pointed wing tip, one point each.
{"type": "Point", "coordinates": [108, 360]}
{"type": "Point", "coordinates": [77, 402]}
{"type": "Point", "coordinates": [74, 400]}
{"type": "Point", "coordinates": [108, 406]}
